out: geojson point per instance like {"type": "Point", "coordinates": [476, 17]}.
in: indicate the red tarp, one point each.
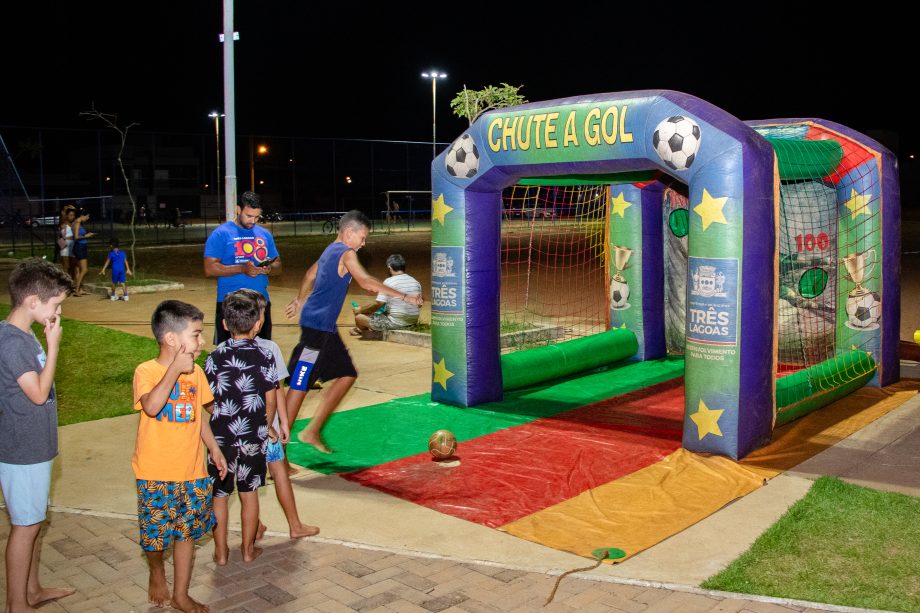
{"type": "Point", "coordinates": [512, 473]}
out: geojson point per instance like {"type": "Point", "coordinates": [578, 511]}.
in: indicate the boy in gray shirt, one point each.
{"type": "Point", "coordinates": [28, 421]}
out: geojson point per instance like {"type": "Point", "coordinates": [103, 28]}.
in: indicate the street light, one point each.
{"type": "Point", "coordinates": [434, 75]}
{"type": "Point", "coordinates": [216, 117]}
{"type": "Point", "coordinates": [262, 150]}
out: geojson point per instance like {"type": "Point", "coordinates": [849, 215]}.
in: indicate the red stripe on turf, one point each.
{"type": "Point", "coordinates": [512, 473]}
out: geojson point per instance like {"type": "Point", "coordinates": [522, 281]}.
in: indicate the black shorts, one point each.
{"type": "Point", "coordinates": [221, 334]}
{"type": "Point", "coordinates": [247, 467]}
{"type": "Point", "coordinates": [333, 360]}
{"type": "Point", "coordinates": [80, 250]}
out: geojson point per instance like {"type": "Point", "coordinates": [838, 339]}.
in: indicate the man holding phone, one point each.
{"type": "Point", "coordinates": [241, 254]}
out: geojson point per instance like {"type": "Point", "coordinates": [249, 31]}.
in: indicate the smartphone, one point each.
{"type": "Point", "coordinates": [267, 262]}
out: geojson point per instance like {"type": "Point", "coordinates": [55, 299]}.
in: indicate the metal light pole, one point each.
{"type": "Point", "coordinates": [216, 117]}
{"type": "Point", "coordinates": [229, 36]}
{"type": "Point", "coordinates": [434, 75]}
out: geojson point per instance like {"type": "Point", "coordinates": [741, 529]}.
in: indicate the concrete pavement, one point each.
{"type": "Point", "coordinates": [93, 498]}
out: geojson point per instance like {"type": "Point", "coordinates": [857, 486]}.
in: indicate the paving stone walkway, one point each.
{"type": "Point", "coordinates": [99, 556]}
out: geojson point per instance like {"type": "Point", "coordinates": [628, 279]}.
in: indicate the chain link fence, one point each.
{"type": "Point", "coordinates": [177, 183]}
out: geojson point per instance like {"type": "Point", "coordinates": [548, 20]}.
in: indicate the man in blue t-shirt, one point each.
{"type": "Point", "coordinates": [241, 255]}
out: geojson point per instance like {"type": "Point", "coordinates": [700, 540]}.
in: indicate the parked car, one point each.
{"type": "Point", "coordinates": [48, 220]}
{"type": "Point", "coordinates": [530, 213]}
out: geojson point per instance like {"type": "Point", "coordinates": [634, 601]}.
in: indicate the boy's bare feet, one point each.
{"type": "Point", "coordinates": [260, 530]}
{"type": "Point", "coordinates": [316, 441]}
{"type": "Point", "coordinates": [252, 555]}
{"type": "Point", "coordinates": [221, 557]}
{"type": "Point", "coordinates": [47, 594]}
{"type": "Point", "coordinates": [304, 530]}
{"type": "Point", "coordinates": [186, 604]}
{"type": "Point", "coordinates": [157, 589]}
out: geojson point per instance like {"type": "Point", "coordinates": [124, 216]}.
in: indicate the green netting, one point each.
{"type": "Point", "coordinates": [381, 433]}
{"type": "Point", "coordinates": [821, 384]}
{"type": "Point", "coordinates": [532, 366]}
{"type": "Point", "coordinates": [806, 159]}
{"type": "Point", "coordinates": [554, 263]}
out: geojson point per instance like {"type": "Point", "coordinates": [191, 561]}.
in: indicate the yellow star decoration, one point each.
{"type": "Point", "coordinates": [440, 209]}
{"type": "Point", "coordinates": [441, 374]}
{"type": "Point", "coordinates": [620, 205]}
{"type": "Point", "coordinates": [706, 420]}
{"type": "Point", "coordinates": [710, 210]}
{"type": "Point", "coordinates": [859, 204]}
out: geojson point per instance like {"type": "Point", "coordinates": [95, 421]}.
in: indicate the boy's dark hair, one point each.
{"type": "Point", "coordinates": [252, 294]}
{"type": "Point", "coordinates": [250, 199]}
{"type": "Point", "coordinates": [354, 220]}
{"type": "Point", "coordinates": [37, 277]}
{"type": "Point", "coordinates": [397, 262]}
{"type": "Point", "coordinates": [113, 242]}
{"type": "Point", "coordinates": [173, 316]}
{"type": "Point", "coordinates": [240, 312]}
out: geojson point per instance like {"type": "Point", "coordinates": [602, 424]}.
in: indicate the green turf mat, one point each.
{"type": "Point", "coordinates": [373, 435]}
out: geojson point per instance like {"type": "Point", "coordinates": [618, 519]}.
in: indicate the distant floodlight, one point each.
{"type": "Point", "coordinates": [434, 75]}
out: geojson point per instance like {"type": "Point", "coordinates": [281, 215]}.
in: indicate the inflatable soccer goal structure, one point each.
{"type": "Point", "coordinates": [766, 253]}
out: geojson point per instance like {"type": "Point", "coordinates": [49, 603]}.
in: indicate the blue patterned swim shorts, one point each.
{"type": "Point", "coordinates": [168, 510]}
{"type": "Point", "coordinates": [275, 452]}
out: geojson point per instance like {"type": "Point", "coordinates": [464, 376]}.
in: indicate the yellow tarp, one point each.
{"type": "Point", "coordinates": [806, 437]}
{"type": "Point", "coordinates": [644, 508]}
{"type": "Point", "coordinates": [641, 509]}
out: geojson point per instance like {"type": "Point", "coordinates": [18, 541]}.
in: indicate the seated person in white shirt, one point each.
{"type": "Point", "coordinates": [388, 313]}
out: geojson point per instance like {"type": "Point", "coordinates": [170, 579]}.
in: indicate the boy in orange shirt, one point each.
{"type": "Point", "coordinates": [174, 492]}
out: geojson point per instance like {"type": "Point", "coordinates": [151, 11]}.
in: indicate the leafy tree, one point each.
{"type": "Point", "coordinates": [471, 103]}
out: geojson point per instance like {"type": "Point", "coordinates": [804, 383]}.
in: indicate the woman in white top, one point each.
{"type": "Point", "coordinates": [65, 233]}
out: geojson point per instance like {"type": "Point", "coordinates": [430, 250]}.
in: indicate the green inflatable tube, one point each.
{"type": "Point", "coordinates": [822, 384]}
{"type": "Point", "coordinates": [532, 366]}
{"type": "Point", "coordinates": [806, 159]}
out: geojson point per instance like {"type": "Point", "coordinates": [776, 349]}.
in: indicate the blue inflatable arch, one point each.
{"type": "Point", "coordinates": [734, 191]}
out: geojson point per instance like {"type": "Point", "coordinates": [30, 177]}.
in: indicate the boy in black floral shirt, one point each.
{"type": "Point", "coordinates": [242, 376]}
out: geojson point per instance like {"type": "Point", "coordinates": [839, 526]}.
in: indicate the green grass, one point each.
{"type": "Point", "coordinates": [96, 369]}
{"type": "Point", "coordinates": [840, 544]}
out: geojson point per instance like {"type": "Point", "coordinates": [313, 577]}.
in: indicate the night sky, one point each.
{"type": "Point", "coordinates": [352, 69]}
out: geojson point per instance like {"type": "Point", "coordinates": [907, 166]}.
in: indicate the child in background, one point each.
{"type": "Point", "coordinates": [174, 491]}
{"type": "Point", "coordinates": [28, 421]}
{"type": "Point", "coordinates": [277, 465]}
{"type": "Point", "coordinates": [243, 379]}
{"type": "Point", "coordinates": [119, 261]}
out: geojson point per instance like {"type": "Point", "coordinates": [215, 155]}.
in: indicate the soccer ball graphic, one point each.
{"type": "Point", "coordinates": [864, 311]}
{"type": "Point", "coordinates": [619, 294]}
{"type": "Point", "coordinates": [676, 141]}
{"type": "Point", "coordinates": [462, 158]}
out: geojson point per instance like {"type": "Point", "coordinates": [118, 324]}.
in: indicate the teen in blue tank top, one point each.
{"type": "Point", "coordinates": [329, 289]}
{"type": "Point", "coordinates": [327, 282]}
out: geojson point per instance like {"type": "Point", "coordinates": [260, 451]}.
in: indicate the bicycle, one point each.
{"type": "Point", "coordinates": [331, 225]}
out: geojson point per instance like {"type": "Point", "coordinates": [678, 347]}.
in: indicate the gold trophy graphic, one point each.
{"type": "Point", "coordinates": [619, 288]}
{"type": "Point", "coordinates": [863, 306]}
